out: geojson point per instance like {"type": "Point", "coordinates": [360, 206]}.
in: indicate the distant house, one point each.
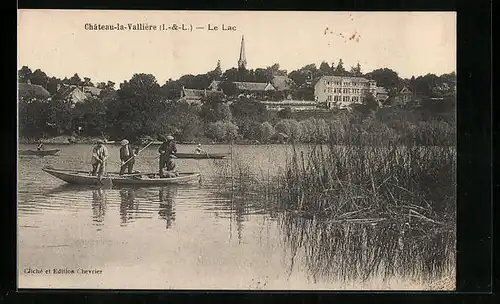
{"type": "Point", "coordinates": [92, 91]}
{"type": "Point", "coordinates": [381, 95]}
{"type": "Point", "coordinates": [282, 83]}
{"type": "Point", "coordinates": [194, 96]}
{"type": "Point", "coordinates": [75, 94]}
{"type": "Point", "coordinates": [403, 97]}
{"type": "Point", "coordinates": [30, 92]}
{"type": "Point", "coordinates": [246, 86]}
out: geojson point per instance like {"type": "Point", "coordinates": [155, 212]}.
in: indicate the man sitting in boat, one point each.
{"type": "Point", "coordinates": [199, 150]}
{"type": "Point", "coordinates": [166, 150]}
{"type": "Point", "coordinates": [127, 157]}
{"type": "Point", "coordinates": [170, 169]}
{"type": "Point", "coordinates": [99, 156]}
{"type": "Point", "coordinates": [40, 147]}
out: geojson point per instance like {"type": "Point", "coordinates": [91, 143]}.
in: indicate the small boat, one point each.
{"type": "Point", "coordinates": [39, 152]}
{"type": "Point", "coordinates": [202, 155]}
{"type": "Point", "coordinates": [142, 179]}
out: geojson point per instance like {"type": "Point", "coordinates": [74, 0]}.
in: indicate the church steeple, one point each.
{"type": "Point", "coordinates": [242, 62]}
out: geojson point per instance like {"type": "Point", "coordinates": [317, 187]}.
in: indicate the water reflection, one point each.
{"type": "Point", "coordinates": [98, 206]}
{"type": "Point", "coordinates": [167, 212]}
{"type": "Point", "coordinates": [347, 251]}
{"type": "Point", "coordinates": [127, 205]}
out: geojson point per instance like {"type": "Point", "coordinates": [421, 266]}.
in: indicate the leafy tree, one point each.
{"type": "Point", "coordinates": [32, 118]}
{"type": "Point", "coordinates": [325, 68]}
{"type": "Point", "coordinates": [222, 131]}
{"type": "Point", "coordinates": [216, 74]}
{"type": "Point", "coordinates": [40, 78]}
{"type": "Point", "coordinates": [230, 75]}
{"type": "Point", "coordinates": [386, 78]}
{"type": "Point", "coordinates": [181, 120]}
{"type": "Point", "coordinates": [90, 116]}
{"type": "Point", "coordinates": [137, 107]}
{"type": "Point", "coordinates": [274, 70]}
{"type": "Point", "coordinates": [356, 71]}
{"type": "Point", "coordinates": [244, 108]}
{"type": "Point", "coordinates": [87, 82]}
{"type": "Point", "coordinates": [285, 113]}
{"type": "Point", "coordinates": [299, 78]}
{"type": "Point", "coordinates": [266, 131]}
{"type": "Point", "coordinates": [75, 80]}
{"type": "Point", "coordinates": [24, 74]}
{"type": "Point", "coordinates": [214, 109]}
{"type": "Point", "coordinates": [263, 75]}
{"type": "Point", "coordinates": [290, 127]}
{"type": "Point", "coordinates": [339, 70]}
{"type": "Point", "coordinates": [59, 115]}
{"type": "Point", "coordinates": [53, 84]}
{"type": "Point", "coordinates": [228, 87]}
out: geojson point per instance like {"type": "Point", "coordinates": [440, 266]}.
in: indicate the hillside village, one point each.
{"type": "Point", "coordinates": [335, 90]}
{"type": "Point", "coordinates": [250, 104]}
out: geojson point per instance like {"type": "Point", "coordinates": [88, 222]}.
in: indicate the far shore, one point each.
{"type": "Point", "coordinates": [68, 140]}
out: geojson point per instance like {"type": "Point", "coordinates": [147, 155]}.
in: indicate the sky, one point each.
{"type": "Point", "coordinates": [56, 41]}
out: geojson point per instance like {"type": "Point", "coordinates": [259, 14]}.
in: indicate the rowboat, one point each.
{"type": "Point", "coordinates": [202, 155]}
{"type": "Point", "coordinates": [38, 152]}
{"type": "Point", "coordinates": [142, 179]}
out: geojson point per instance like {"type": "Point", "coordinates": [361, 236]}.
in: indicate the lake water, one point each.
{"type": "Point", "coordinates": [174, 237]}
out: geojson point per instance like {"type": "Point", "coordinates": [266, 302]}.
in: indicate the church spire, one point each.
{"type": "Point", "coordinates": [242, 62]}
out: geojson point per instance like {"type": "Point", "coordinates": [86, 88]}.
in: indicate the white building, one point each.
{"type": "Point", "coordinates": [343, 91]}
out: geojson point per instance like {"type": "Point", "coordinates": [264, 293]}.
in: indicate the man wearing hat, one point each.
{"type": "Point", "coordinates": [99, 156]}
{"type": "Point", "coordinates": [167, 150]}
{"type": "Point", "coordinates": [127, 155]}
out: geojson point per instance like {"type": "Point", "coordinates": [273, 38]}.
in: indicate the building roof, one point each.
{"type": "Point", "coordinates": [71, 92]}
{"type": "Point", "coordinates": [350, 78]}
{"type": "Point", "coordinates": [32, 90]}
{"type": "Point", "coordinates": [405, 90]}
{"type": "Point", "coordinates": [381, 90]}
{"type": "Point", "coordinates": [199, 94]}
{"type": "Point", "coordinates": [251, 86]}
{"type": "Point", "coordinates": [282, 83]}
{"type": "Point", "coordinates": [92, 90]}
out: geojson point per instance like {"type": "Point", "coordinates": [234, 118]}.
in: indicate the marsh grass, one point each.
{"type": "Point", "coordinates": [359, 211]}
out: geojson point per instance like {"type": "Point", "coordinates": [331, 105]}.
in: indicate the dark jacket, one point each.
{"type": "Point", "coordinates": [127, 152]}
{"type": "Point", "coordinates": [168, 147]}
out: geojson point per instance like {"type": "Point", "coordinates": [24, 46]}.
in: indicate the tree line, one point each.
{"type": "Point", "coordinates": [143, 107]}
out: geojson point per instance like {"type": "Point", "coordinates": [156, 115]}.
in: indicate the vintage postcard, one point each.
{"type": "Point", "coordinates": [236, 150]}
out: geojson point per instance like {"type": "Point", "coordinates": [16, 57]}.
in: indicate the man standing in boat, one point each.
{"type": "Point", "coordinates": [99, 156]}
{"type": "Point", "coordinates": [127, 157]}
{"type": "Point", "coordinates": [166, 150]}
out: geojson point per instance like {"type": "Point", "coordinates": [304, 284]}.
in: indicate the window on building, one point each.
{"type": "Point", "coordinates": [329, 98]}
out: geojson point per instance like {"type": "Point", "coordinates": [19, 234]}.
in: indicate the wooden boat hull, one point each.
{"type": "Point", "coordinates": [83, 178]}
{"type": "Point", "coordinates": [38, 153]}
{"type": "Point", "coordinates": [202, 155]}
